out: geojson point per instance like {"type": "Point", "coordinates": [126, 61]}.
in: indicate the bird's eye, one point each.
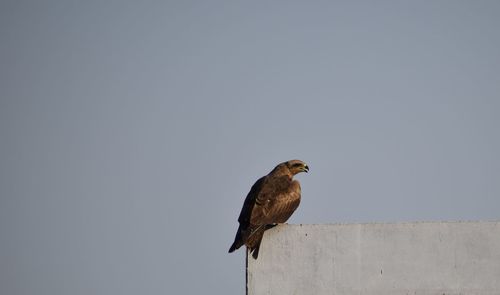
{"type": "Point", "coordinates": [297, 165]}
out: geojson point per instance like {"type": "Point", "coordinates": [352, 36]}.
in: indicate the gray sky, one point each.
{"type": "Point", "coordinates": [132, 131]}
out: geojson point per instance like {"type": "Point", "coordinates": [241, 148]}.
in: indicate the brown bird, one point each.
{"type": "Point", "coordinates": [271, 200]}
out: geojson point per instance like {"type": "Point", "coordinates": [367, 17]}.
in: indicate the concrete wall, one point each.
{"type": "Point", "coordinates": [400, 258]}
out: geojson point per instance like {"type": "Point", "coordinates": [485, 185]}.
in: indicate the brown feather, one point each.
{"type": "Point", "coordinates": [272, 199]}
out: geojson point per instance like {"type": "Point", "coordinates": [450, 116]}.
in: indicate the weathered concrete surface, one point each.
{"type": "Point", "coordinates": [400, 258]}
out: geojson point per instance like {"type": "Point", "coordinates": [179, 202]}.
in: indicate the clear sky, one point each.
{"type": "Point", "coordinates": [131, 131]}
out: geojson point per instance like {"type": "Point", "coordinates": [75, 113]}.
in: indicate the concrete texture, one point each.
{"type": "Point", "coordinates": [400, 258]}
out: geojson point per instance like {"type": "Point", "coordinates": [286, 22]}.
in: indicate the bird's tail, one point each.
{"type": "Point", "coordinates": [238, 241]}
{"type": "Point", "coordinates": [252, 237]}
{"type": "Point", "coordinates": [255, 251]}
{"type": "Point", "coordinates": [258, 234]}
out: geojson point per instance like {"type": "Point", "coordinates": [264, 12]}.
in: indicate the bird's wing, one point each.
{"type": "Point", "coordinates": [248, 205]}
{"type": "Point", "coordinates": [275, 203]}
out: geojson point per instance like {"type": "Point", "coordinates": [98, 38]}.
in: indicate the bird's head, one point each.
{"type": "Point", "coordinates": [296, 166]}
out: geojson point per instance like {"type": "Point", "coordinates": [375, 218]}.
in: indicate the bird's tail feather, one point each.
{"type": "Point", "coordinates": [238, 241]}
{"type": "Point", "coordinates": [255, 250]}
{"type": "Point", "coordinates": [234, 246]}
{"type": "Point", "coordinates": [255, 238]}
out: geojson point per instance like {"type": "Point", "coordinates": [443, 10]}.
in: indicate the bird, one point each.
{"type": "Point", "coordinates": [271, 200]}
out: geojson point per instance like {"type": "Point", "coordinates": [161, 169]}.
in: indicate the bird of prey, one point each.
{"type": "Point", "coordinates": [271, 200]}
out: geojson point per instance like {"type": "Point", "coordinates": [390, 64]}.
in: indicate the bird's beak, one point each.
{"type": "Point", "coordinates": [305, 169]}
